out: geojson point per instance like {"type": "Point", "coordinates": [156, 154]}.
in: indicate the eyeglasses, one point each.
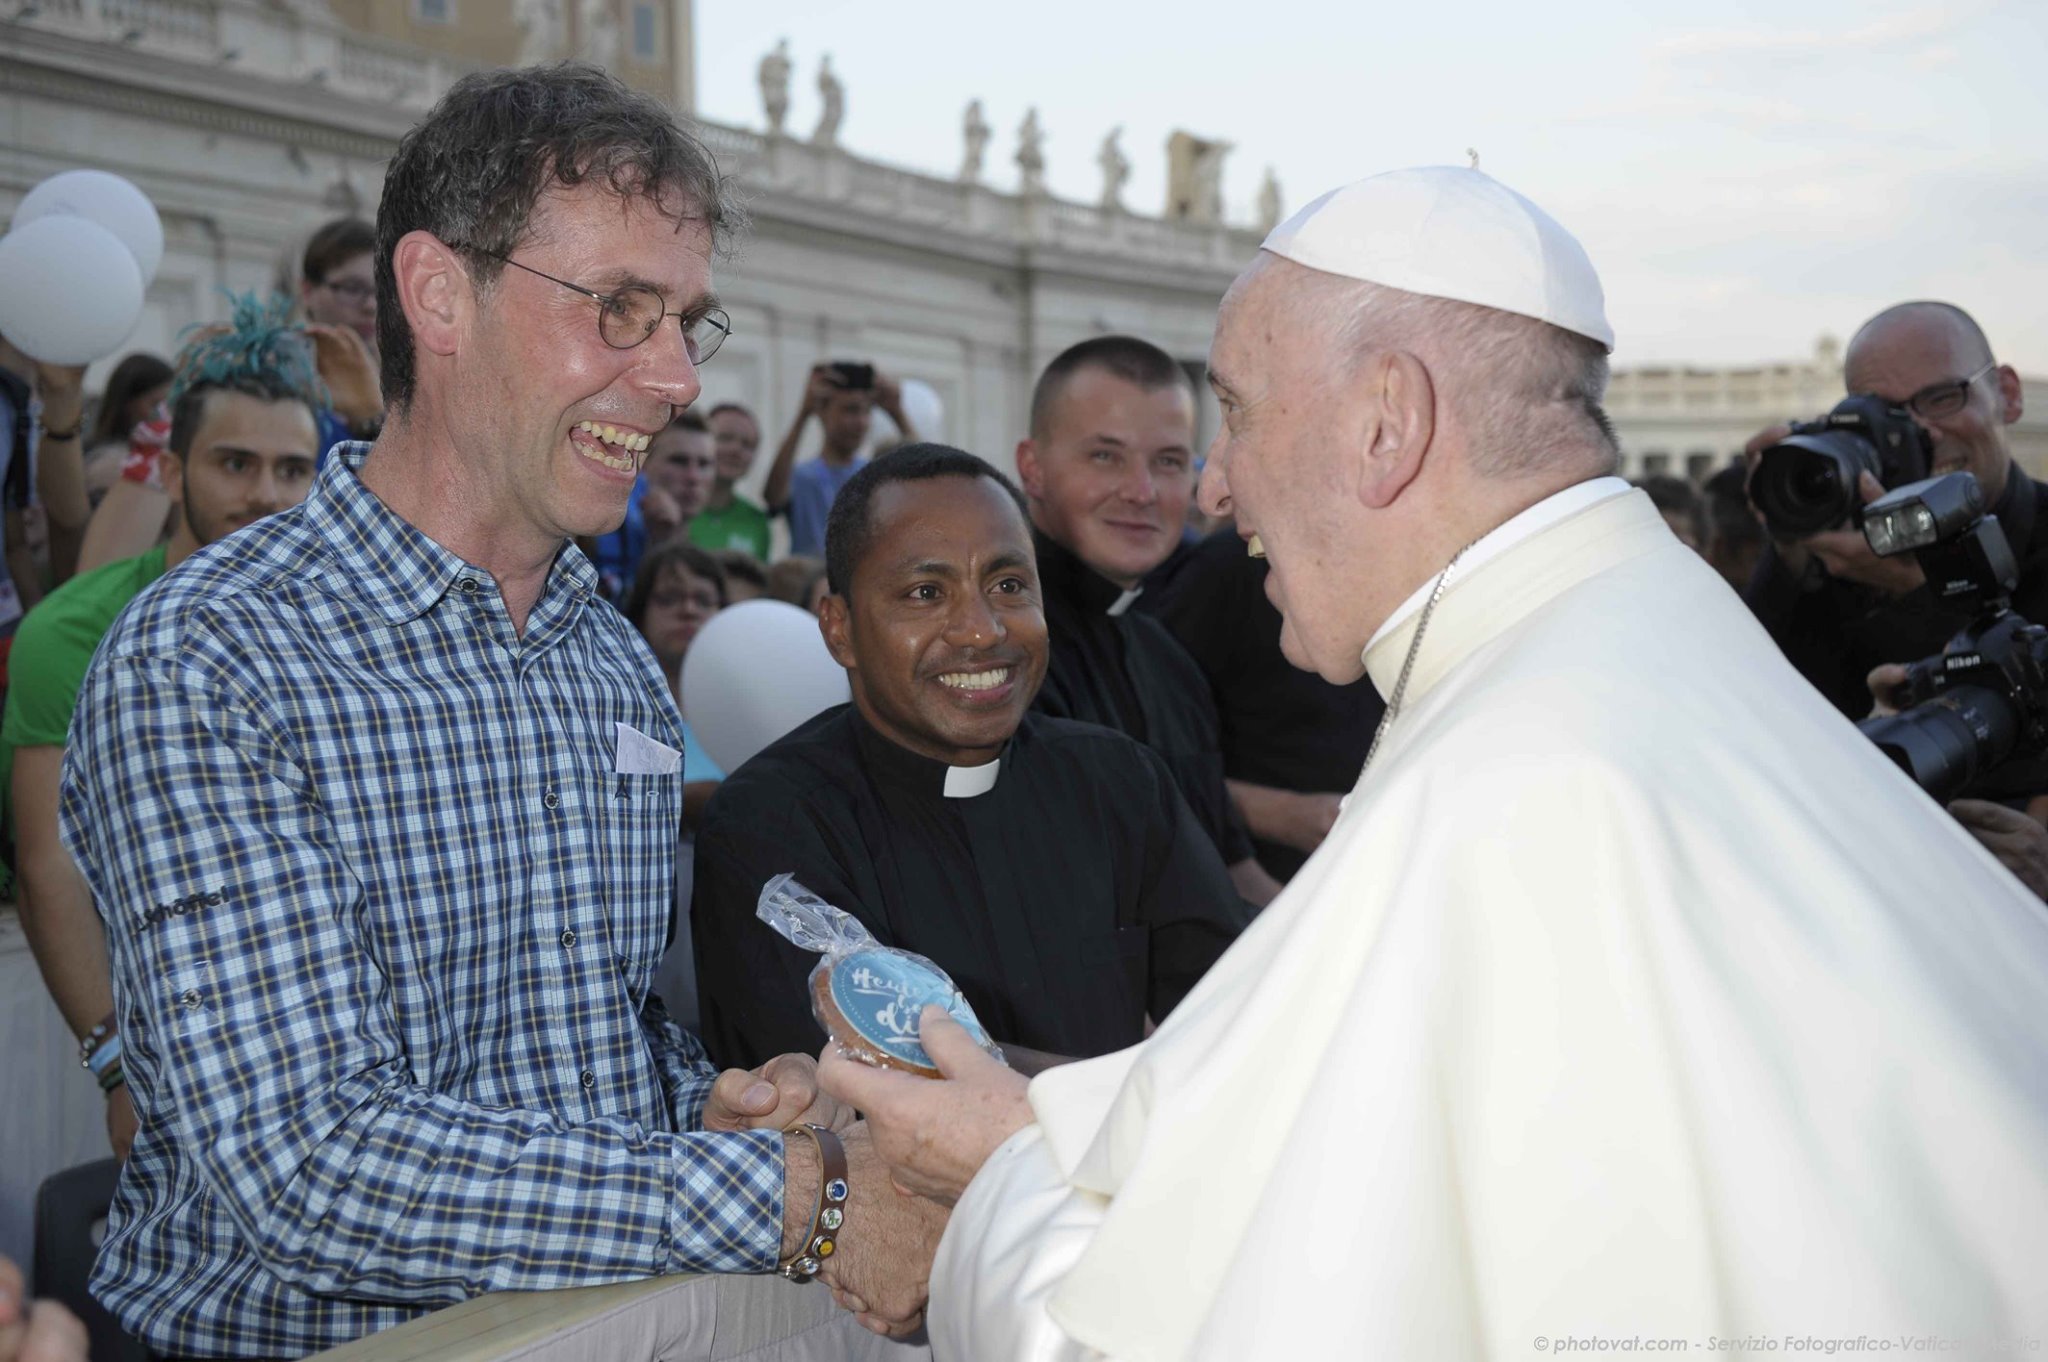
{"type": "Point", "coordinates": [626, 317]}
{"type": "Point", "coordinates": [1940, 400]}
{"type": "Point", "coordinates": [355, 290]}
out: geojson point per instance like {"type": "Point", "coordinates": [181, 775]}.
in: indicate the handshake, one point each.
{"type": "Point", "coordinates": [921, 1142]}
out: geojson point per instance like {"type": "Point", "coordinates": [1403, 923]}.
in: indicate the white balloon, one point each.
{"type": "Point", "coordinates": [106, 199]}
{"type": "Point", "coordinates": [754, 672]}
{"type": "Point", "coordinates": [923, 409]}
{"type": "Point", "coordinates": [69, 290]}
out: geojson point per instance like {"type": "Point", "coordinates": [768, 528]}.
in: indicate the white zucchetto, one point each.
{"type": "Point", "coordinates": [1449, 232]}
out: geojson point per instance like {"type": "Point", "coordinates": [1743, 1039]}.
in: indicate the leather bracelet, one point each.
{"type": "Point", "coordinates": [92, 1039]}
{"type": "Point", "coordinates": [820, 1241]}
{"type": "Point", "coordinates": [60, 435]}
{"type": "Point", "coordinates": [107, 1056]}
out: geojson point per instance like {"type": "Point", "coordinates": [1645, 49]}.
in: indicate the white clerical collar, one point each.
{"type": "Point", "coordinates": [1545, 513]}
{"type": "Point", "coordinates": [965, 782]}
{"type": "Point", "coordinates": [1123, 602]}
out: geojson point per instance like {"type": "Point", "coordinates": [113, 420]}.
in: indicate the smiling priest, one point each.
{"type": "Point", "coordinates": [1634, 994]}
{"type": "Point", "coordinates": [1051, 867]}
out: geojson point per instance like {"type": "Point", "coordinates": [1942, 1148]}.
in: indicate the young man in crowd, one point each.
{"type": "Point", "coordinates": [729, 520]}
{"type": "Point", "coordinates": [675, 480]}
{"type": "Point", "coordinates": [1109, 470]}
{"type": "Point", "coordinates": [1052, 868]}
{"type": "Point", "coordinates": [242, 446]}
{"type": "Point", "coordinates": [843, 396]}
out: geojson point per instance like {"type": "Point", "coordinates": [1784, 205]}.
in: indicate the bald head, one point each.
{"type": "Point", "coordinates": [1925, 349]}
{"type": "Point", "coordinates": [1921, 324]}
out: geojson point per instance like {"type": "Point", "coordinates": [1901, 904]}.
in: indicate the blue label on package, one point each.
{"type": "Point", "coordinates": [881, 994]}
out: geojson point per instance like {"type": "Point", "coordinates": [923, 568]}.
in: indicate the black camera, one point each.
{"type": "Point", "coordinates": [1973, 715]}
{"type": "Point", "coordinates": [1806, 482]}
{"type": "Point", "coordinates": [853, 376]}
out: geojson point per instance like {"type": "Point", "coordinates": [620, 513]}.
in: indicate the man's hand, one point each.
{"type": "Point", "coordinates": [41, 1331]}
{"type": "Point", "coordinates": [121, 1122]}
{"type": "Point", "coordinates": [1313, 817]}
{"type": "Point", "coordinates": [776, 1096]}
{"type": "Point", "coordinates": [1848, 556]}
{"type": "Point", "coordinates": [1887, 683]}
{"type": "Point", "coordinates": [934, 1134]}
{"type": "Point", "coordinates": [889, 397]}
{"type": "Point", "coordinates": [2018, 841]}
{"type": "Point", "coordinates": [818, 389]}
{"type": "Point", "coordinates": [349, 371]}
{"type": "Point", "coordinates": [62, 388]}
{"type": "Point", "coordinates": [882, 1268]}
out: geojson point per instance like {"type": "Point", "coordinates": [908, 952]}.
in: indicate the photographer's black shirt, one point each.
{"type": "Point", "coordinates": [1835, 632]}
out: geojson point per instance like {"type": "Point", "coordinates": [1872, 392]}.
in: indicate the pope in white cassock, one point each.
{"type": "Point", "coordinates": [1634, 994]}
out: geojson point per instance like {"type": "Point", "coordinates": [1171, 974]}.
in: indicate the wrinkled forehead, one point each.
{"type": "Point", "coordinates": [1267, 321]}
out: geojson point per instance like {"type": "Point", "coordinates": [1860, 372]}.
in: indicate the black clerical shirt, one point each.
{"type": "Point", "coordinates": [1114, 666]}
{"type": "Point", "coordinates": [1281, 726]}
{"type": "Point", "coordinates": [1069, 898]}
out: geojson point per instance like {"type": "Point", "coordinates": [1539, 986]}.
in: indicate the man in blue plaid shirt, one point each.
{"type": "Point", "coordinates": [375, 798]}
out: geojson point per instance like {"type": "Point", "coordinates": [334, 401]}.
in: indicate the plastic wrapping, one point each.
{"type": "Point", "coordinates": [867, 996]}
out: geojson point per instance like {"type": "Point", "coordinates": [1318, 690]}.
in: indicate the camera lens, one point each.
{"type": "Point", "coordinates": [1808, 483]}
{"type": "Point", "coordinates": [1947, 743]}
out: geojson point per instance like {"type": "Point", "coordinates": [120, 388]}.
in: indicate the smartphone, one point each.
{"type": "Point", "coordinates": [859, 377]}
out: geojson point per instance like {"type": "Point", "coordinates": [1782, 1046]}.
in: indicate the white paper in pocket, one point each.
{"type": "Point", "coordinates": [640, 755]}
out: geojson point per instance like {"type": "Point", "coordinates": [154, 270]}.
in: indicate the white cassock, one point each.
{"type": "Point", "coordinates": [1634, 994]}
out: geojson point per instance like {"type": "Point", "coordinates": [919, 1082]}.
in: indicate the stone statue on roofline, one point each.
{"type": "Point", "coordinates": [774, 78]}
{"type": "Point", "coordinates": [1116, 171]}
{"type": "Point", "coordinates": [833, 96]}
{"type": "Point", "coordinates": [974, 130]}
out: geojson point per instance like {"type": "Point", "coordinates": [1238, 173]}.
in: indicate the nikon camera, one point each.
{"type": "Point", "coordinates": [1974, 719]}
{"type": "Point", "coordinates": [1806, 483]}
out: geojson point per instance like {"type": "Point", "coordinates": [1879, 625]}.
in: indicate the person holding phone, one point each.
{"type": "Point", "coordinates": [843, 396]}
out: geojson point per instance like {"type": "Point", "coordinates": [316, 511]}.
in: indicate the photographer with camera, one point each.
{"type": "Point", "coordinates": [1927, 399]}
{"type": "Point", "coordinates": [843, 396]}
{"type": "Point", "coordinates": [1837, 609]}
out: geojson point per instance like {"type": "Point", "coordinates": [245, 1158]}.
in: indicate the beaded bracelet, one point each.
{"type": "Point", "coordinates": [820, 1241]}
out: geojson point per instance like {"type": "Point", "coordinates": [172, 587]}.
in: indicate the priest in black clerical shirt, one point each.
{"type": "Point", "coordinates": [1109, 470]}
{"type": "Point", "coordinates": [1052, 868]}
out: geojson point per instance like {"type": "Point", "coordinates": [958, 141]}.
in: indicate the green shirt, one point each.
{"type": "Point", "coordinates": [52, 650]}
{"type": "Point", "coordinates": [742, 525]}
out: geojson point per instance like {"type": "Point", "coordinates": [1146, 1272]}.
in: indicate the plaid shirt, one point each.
{"type": "Point", "coordinates": [383, 918]}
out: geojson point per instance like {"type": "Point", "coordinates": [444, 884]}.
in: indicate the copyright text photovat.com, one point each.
{"type": "Point", "coordinates": [1950, 1345]}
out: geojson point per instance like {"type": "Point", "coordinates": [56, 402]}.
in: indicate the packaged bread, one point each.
{"type": "Point", "coordinates": [867, 996]}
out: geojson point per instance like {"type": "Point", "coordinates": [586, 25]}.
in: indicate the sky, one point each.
{"type": "Point", "coordinates": [1745, 176]}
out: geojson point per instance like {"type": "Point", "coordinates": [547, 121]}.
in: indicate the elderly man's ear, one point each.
{"type": "Point", "coordinates": [1399, 411]}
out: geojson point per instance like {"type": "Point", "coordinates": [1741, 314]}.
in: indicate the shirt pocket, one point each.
{"type": "Point", "coordinates": [636, 821]}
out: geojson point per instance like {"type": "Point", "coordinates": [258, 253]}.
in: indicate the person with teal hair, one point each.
{"type": "Point", "coordinates": [242, 444]}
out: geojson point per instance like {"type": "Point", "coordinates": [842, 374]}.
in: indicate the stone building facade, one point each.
{"type": "Point", "coordinates": [250, 122]}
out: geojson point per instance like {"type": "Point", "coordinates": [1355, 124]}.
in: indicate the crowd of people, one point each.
{"type": "Point", "coordinates": [354, 812]}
